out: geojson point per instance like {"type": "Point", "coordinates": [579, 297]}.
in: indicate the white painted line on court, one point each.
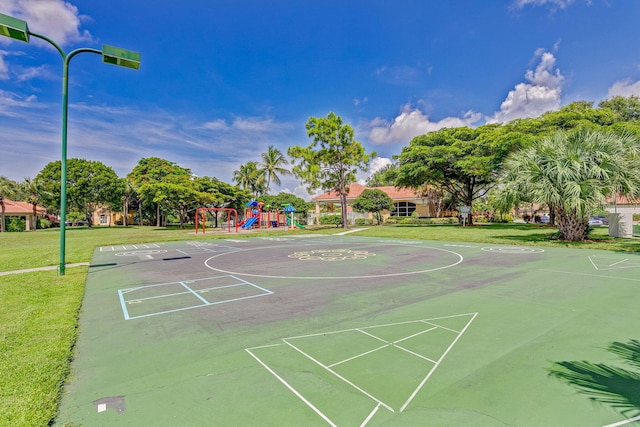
{"type": "Point", "coordinates": [414, 335]}
{"type": "Point", "coordinates": [375, 399]}
{"type": "Point", "coordinates": [372, 336]}
{"type": "Point", "coordinates": [591, 275]}
{"type": "Point", "coordinates": [293, 390]}
{"type": "Point", "coordinates": [621, 423]}
{"type": "Point", "coordinates": [372, 276]}
{"type": "Point", "coordinates": [359, 355]}
{"type": "Point", "coordinates": [366, 421]}
{"type": "Point", "coordinates": [415, 392]}
{"type": "Point", "coordinates": [414, 353]}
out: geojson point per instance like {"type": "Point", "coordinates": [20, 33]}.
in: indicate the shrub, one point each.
{"type": "Point", "coordinates": [502, 219]}
{"type": "Point", "coordinates": [44, 223]}
{"type": "Point", "coordinates": [423, 221]}
{"type": "Point", "coordinates": [331, 220]}
{"type": "Point", "coordinates": [14, 224]}
{"type": "Point", "coordinates": [364, 221]}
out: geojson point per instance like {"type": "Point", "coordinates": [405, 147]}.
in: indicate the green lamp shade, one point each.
{"type": "Point", "coordinates": [14, 28]}
{"type": "Point", "coordinates": [121, 57]}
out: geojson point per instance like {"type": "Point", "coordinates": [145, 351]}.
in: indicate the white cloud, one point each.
{"type": "Point", "coordinates": [412, 122]}
{"type": "Point", "coordinates": [625, 88]}
{"type": "Point", "coordinates": [555, 4]}
{"type": "Point", "coordinates": [399, 75]}
{"type": "Point", "coordinates": [376, 164]}
{"type": "Point", "coordinates": [4, 68]}
{"type": "Point", "coordinates": [218, 124]}
{"type": "Point", "coordinates": [57, 19]}
{"type": "Point", "coordinates": [358, 101]}
{"type": "Point", "coordinates": [541, 92]}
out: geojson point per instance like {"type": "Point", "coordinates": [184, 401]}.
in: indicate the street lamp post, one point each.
{"type": "Point", "coordinates": [18, 29]}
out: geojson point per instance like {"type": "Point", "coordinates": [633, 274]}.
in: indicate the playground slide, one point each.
{"type": "Point", "coordinates": [295, 223]}
{"type": "Point", "coordinates": [249, 222]}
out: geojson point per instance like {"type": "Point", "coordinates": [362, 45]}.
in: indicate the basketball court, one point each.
{"type": "Point", "coordinates": [314, 330]}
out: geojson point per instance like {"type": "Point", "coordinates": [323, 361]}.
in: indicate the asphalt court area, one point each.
{"type": "Point", "coordinates": [346, 331]}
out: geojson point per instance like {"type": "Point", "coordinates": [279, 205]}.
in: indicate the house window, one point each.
{"type": "Point", "coordinates": [103, 220]}
{"type": "Point", "coordinates": [403, 209]}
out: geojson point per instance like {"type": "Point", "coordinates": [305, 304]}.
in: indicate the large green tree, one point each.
{"type": "Point", "coordinates": [282, 199]}
{"type": "Point", "coordinates": [222, 195]}
{"type": "Point", "coordinates": [574, 172]}
{"type": "Point", "coordinates": [331, 160]}
{"type": "Point", "coordinates": [180, 195]}
{"type": "Point", "coordinates": [90, 184]}
{"type": "Point", "coordinates": [147, 176]}
{"type": "Point", "coordinates": [626, 109]}
{"type": "Point", "coordinates": [373, 201]}
{"type": "Point", "coordinates": [463, 161]}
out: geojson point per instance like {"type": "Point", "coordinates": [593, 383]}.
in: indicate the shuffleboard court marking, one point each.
{"type": "Point", "coordinates": [369, 331]}
{"type": "Point", "coordinates": [129, 247]}
{"type": "Point", "coordinates": [591, 275]}
{"type": "Point", "coordinates": [293, 390]}
{"type": "Point", "coordinates": [209, 261]}
{"type": "Point", "coordinates": [608, 262]}
{"type": "Point", "coordinates": [142, 253]}
{"type": "Point", "coordinates": [188, 290]}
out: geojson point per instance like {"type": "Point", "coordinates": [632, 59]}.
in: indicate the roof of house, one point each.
{"type": "Point", "coordinates": [12, 207]}
{"type": "Point", "coordinates": [356, 190]}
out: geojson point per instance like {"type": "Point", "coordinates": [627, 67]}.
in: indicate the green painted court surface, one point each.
{"type": "Point", "coordinates": [347, 331]}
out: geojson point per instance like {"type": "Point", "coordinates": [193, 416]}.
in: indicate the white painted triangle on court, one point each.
{"type": "Point", "coordinates": [614, 262]}
{"type": "Point", "coordinates": [389, 363]}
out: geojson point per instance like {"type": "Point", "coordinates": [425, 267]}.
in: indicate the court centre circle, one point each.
{"type": "Point", "coordinates": [410, 260]}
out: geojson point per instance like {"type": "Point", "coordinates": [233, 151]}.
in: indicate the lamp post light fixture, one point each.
{"type": "Point", "coordinates": [18, 29]}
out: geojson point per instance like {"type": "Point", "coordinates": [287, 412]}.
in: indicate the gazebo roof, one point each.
{"type": "Point", "coordinates": [14, 208]}
{"type": "Point", "coordinates": [356, 190]}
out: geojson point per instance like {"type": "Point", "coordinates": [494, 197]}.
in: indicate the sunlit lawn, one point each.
{"type": "Point", "coordinates": [39, 312]}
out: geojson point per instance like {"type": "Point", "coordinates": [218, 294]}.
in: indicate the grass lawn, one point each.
{"type": "Point", "coordinates": [39, 313]}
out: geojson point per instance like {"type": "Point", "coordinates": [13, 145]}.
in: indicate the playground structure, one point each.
{"type": "Point", "coordinates": [256, 216]}
{"type": "Point", "coordinates": [202, 213]}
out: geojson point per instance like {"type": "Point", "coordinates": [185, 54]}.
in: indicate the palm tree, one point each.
{"type": "Point", "coordinates": [574, 173]}
{"type": "Point", "coordinates": [130, 192]}
{"type": "Point", "coordinates": [273, 162]}
{"type": "Point", "coordinates": [6, 189]}
{"type": "Point", "coordinates": [249, 177]}
{"type": "Point", "coordinates": [33, 195]}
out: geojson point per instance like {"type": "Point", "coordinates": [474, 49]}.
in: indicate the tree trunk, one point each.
{"type": "Point", "coordinates": [158, 224]}
{"type": "Point", "coordinates": [2, 229]}
{"type": "Point", "coordinates": [35, 216]}
{"type": "Point", "coordinates": [571, 228]}
{"type": "Point", "coordinates": [343, 208]}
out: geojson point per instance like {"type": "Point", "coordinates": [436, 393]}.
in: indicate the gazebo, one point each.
{"type": "Point", "coordinates": [23, 210]}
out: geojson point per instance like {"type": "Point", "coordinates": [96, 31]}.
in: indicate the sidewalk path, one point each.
{"type": "Point", "coordinates": [51, 267]}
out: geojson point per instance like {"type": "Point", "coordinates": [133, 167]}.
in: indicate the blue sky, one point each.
{"type": "Point", "coordinates": [222, 80]}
